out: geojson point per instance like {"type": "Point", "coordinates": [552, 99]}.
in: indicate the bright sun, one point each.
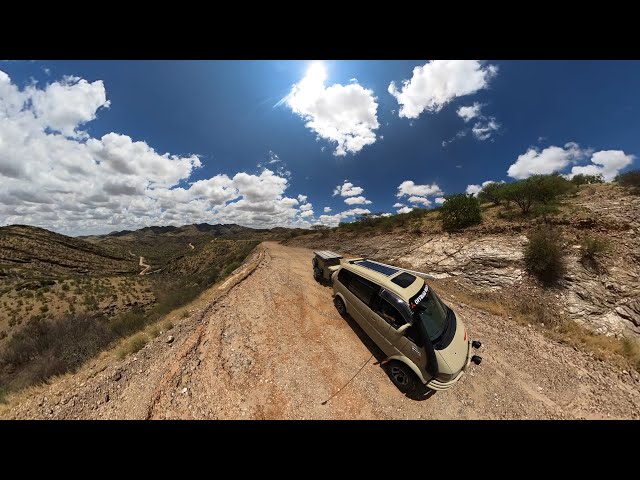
{"type": "Point", "coordinates": [316, 72]}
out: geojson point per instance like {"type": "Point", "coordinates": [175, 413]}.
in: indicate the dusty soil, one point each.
{"type": "Point", "coordinates": [269, 344]}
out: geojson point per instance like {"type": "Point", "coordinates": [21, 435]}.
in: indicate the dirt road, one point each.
{"type": "Point", "coordinates": [146, 267]}
{"type": "Point", "coordinates": [273, 346]}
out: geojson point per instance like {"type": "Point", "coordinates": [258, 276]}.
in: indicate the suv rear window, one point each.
{"type": "Point", "coordinates": [404, 279]}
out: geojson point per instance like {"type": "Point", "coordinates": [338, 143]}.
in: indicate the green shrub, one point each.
{"type": "Point", "coordinates": [493, 192]}
{"type": "Point", "coordinates": [593, 249]}
{"type": "Point", "coordinates": [522, 193]}
{"type": "Point", "coordinates": [460, 211]}
{"type": "Point", "coordinates": [544, 254]}
{"type": "Point", "coordinates": [583, 179]}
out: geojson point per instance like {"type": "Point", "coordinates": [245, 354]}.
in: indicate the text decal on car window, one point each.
{"type": "Point", "coordinates": [420, 297]}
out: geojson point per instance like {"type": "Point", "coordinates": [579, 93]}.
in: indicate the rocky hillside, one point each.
{"type": "Point", "coordinates": [489, 257]}
{"type": "Point", "coordinates": [25, 249]}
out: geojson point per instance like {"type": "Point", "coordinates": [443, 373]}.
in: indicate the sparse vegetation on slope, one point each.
{"type": "Point", "coordinates": [54, 342]}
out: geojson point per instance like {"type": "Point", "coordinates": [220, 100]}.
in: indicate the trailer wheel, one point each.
{"type": "Point", "coordinates": [314, 262]}
{"type": "Point", "coordinates": [317, 273]}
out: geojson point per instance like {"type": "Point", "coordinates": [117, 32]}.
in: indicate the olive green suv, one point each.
{"type": "Point", "coordinates": [424, 340]}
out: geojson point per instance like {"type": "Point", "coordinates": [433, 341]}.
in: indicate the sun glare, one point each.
{"type": "Point", "coordinates": [317, 72]}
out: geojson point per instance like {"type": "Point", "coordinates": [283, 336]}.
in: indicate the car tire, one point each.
{"type": "Point", "coordinates": [317, 273]}
{"type": "Point", "coordinates": [314, 262]}
{"type": "Point", "coordinates": [402, 376]}
{"type": "Point", "coordinates": [340, 306]}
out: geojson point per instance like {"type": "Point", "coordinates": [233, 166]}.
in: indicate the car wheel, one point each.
{"type": "Point", "coordinates": [402, 376]}
{"type": "Point", "coordinates": [317, 273]}
{"type": "Point", "coordinates": [340, 306]}
{"type": "Point", "coordinates": [314, 262]}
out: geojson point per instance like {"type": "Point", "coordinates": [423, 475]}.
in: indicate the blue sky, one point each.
{"type": "Point", "coordinates": [97, 146]}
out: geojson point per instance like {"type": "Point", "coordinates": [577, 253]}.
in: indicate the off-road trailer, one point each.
{"type": "Point", "coordinates": [325, 263]}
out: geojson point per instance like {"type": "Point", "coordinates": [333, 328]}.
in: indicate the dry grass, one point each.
{"type": "Point", "coordinates": [132, 345]}
{"type": "Point", "coordinates": [167, 325]}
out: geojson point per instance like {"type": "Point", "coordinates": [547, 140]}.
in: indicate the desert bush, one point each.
{"type": "Point", "coordinates": [544, 255]}
{"type": "Point", "coordinates": [460, 211]}
{"type": "Point", "coordinates": [45, 348]}
{"type": "Point", "coordinates": [128, 322]}
{"type": "Point", "coordinates": [543, 210]}
{"type": "Point", "coordinates": [594, 247]}
{"type": "Point", "coordinates": [584, 179]}
{"type": "Point", "coordinates": [630, 180]}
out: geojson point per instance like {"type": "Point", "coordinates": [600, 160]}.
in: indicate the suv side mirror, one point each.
{"type": "Point", "coordinates": [403, 328]}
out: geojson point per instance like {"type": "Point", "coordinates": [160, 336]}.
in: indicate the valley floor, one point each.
{"type": "Point", "coordinates": [269, 344]}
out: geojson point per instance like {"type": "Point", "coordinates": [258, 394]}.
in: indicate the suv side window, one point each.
{"type": "Point", "coordinates": [344, 277]}
{"type": "Point", "coordinates": [388, 312]}
{"type": "Point", "coordinates": [362, 288]}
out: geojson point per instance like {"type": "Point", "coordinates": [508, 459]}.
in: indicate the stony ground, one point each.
{"type": "Point", "coordinates": [268, 344]}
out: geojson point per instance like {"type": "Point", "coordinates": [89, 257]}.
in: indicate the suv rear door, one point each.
{"type": "Point", "coordinates": [359, 292]}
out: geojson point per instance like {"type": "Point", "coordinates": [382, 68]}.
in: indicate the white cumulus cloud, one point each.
{"type": "Point", "coordinates": [346, 115]}
{"type": "Point", "coordinates": [438, 82]}
{"type": "Point", "coordinates": [551, 159]}
{"type": "Point", "coordinates": [607, 163]}
{"type": "Point", "coordinates": [357, 201]}
{"type": "Point", "coordinates": [422, 200]}
{"type": "Point", "coordinates": [54, 175]}
{"type": "Point", "coordinates": [485, 128]}
{"type": "Point", "coordinates": [405, 209]}
{"type": "Point", "coordinates": [439, 200]}
{"type": "Point", "coordinates": [347, 189]}
{"type": "Point", "coordinates": [327, 209]}
{"type": "Point", "coordinates": [470, 112]}
{"type": "Point", "coordinates": [409, 188]}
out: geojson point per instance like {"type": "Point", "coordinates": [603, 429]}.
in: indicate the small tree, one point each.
{"type": "Point", "coordinates": [522, 193]}
{"type": "Point", "coordinates": [547, 188]}
{"type": "Point", "coordinates": [459, 211]}
{"type": "Point", "coordinates": [544, 255]}
{"type": "Point", "coordinates": [492, 192]}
